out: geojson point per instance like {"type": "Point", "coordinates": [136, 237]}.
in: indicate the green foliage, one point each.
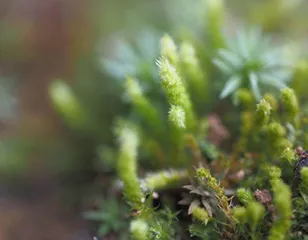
{"type": "Point", "coordinates": [282, 201]}
{"type": "Point", "coordinates": [163, 224]}
{"type": "Point", "coordinates": [67, 104]}
{"type": "Point", "coordinates": [200, 214]}
{"type": "Point", "coordinates": [245, 196]}
{"type": "Point", "coordinates": [195, 78]}
{"type": "Point", "coordinates": [134, 58]}
{"type": "Point", "coordinates": [240, 214]}
{"type": "Point", "coordinates": [255, 212]}
{"type": "Point", "coordinates": [165, 179]}
{"type": "Point", "coordinates": [168, 49]}
{"type": "Point", "coordinates": [110, 216]}
{"type": "Point", "coordinates": [169, 130]}
{"type": "Point", "coordinates": [262, 113]}
{"type": "Point", "coordinates": [175, 90]}
{"type": "Point", "coordinates": [139, 229]}
{"type": "Point", "coordinates": [289, 156]}
{"type": "Point", "coordinates": [211, 182]}
{"type": "Point", "coordinates": [290, 103]}
{"type": "Point", "coordinates": [127, 164]}
{"type": "Point", "coordinates": [245, 98]}
{"type": "Point", "coordinates": [215, 17]}
{"type": "Point", "coordinates": [251, 62]}
{"type": "Point", "coordinates": [143, 105]}
{"type": "Point", "coordinates": [177, 116]}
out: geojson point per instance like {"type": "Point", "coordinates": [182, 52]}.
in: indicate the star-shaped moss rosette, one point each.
{"type": "Point", "coordinates": [252, 62]}
{"type": "Point", "coordinates": [135, 58]}
{"type": "Point", "coordinates": [199, 197]}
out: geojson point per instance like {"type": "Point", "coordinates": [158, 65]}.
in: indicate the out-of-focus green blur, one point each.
{"type": "Point", "coordinates": [41, 41]}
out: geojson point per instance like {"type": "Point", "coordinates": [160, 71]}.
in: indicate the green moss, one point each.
{"type": "Point", "coordinates": [179, 112]}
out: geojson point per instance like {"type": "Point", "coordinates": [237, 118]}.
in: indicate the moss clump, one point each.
{"type": "Point", "coordinates": [170, 149]}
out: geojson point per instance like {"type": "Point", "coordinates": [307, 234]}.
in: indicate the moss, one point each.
{"type": "Point", "coordinates": [169, 123]}
{"type": "Point", "coordinates": [262, 114]}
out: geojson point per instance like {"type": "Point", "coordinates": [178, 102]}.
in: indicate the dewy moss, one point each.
{"type": "Point", "coordinates": [262, 114]}
{"type": "Point", "coordinates": [176, 121]}
{"type": "Point", "coordinates": [290, 103]}
{"type": "Point", "coordinates": [175, 90]}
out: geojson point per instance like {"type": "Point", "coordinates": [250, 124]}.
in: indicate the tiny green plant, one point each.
{"type": "Point", "coordinates": [110, 217]}
{"type": "Point", "coordinates": [190, 165]}
{"type": "Point", "coordinates": [251, 62]}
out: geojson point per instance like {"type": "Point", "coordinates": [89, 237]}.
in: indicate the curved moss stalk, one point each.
{"type": "Point", "coordinates": [252, 213]}
{"type": "Point", "coordinates": [143, 105]}
{"type": "Point", "coordinates": [165, 179]}
{"type": "Point", "coordinates": [246, 127]}
{"type": "Point", "coordinates": [168, 49]}
{"type": "Point", "coordinates": [127, 165]}
{"type": "Point", "coordinates": [196, 79]}
{"type": "Point", "coordinates": [175, 90]}
{"type": "Point", "coordinates": [283, 204]}
{"type": "Point", "coordinates": [214, 19]}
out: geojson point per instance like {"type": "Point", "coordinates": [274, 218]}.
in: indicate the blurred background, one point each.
{"type": "Point", "coordinates": [47, 170]}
